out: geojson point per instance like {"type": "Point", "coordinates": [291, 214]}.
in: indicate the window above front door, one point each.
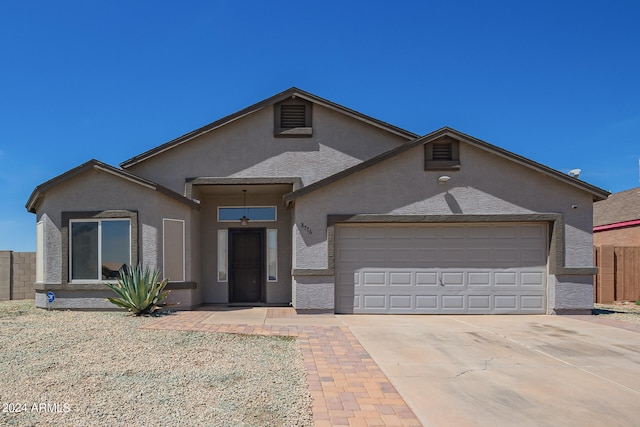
{"type": "Point", "coordinates": [254, 213]}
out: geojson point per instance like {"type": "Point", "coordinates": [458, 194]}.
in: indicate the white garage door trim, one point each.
{"type": "Point", "coordinates": [463, 268]}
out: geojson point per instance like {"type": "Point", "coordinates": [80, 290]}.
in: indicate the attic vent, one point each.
{"type": "Point", "coordinates": [292, 119]}
{"type": "Point", "coordinates": [292, 116]}
{"type": "Point", "coordinates": [442, 151]}
{"type": "Point", "coordinates": [442, 154]}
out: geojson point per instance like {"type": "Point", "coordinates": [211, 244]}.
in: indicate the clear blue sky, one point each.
{"type": "Point", "coordinates": [555, 81]}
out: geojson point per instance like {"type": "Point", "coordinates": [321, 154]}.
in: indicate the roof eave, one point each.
{"type": "Point", "coordinates": [39, 191]}
{"type": "Point", "coordinates": [292, 92]}
{"type": "Point", "coordinates": [597, 193]}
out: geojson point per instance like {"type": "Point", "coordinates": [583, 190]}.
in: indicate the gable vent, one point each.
{"type": "Point", "coordinates": [292, 116]}
{"type": "Point", "coordinates": [442, 151]}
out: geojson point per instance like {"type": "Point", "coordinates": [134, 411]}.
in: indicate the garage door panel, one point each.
{"type": "Point", "coordinates": [508, 302]}
{"type": "Point", "coordinates": [462, 268]}
{"type": "Point", "coordinates": [506, 278]}
{"type": "Point", "coordinates": [374, 255]}
{"type": "Point", "coordinates": [400, 302]}
{"type": "Point", "coordinates": [532, 302]}
{"type": "Point", "coordinates": [533, 256]}
{"type": "Point", "coordinates": [347, 278]}
{"type": "Point", "coordinates": [374, 278]}
{"type": "Point", "coordinates": [532, 279]}
{"type": "Point", "coordinates": [426, 302]}
{"type": "Point", "coordinates": [505, 256]}
{"type": "Point", "coordinates": [346, 255]}
{"type": "Point", "coordinates": [505, 232]}
{"type": "Point", "coordinates": [480, 302]}
{"type": "Point", "coordinates": [532, 231]}
{"type": "Point", "coordinates": [453, 256]}
{"type": "Point", "coordinates": [426, 256]}
{"type": "Point", "coordinates": [479, 233]}
{"type": "Point", "coordinates": [480, 255]}
{"type": "Point", "coordinates": [479, 278]}
{"type": "Point", "coordinates": [374, 302]}
{"type": "Point", "coordinates": [400, 278]}
{"type": "Point", "coordinates": [401, 255]}
{"type": "Point", "coordinates": [453, 302]}
{"type": "Point", "coordinates": [426, 279]}
{"type": "Point", "coordinates": [452, 279]}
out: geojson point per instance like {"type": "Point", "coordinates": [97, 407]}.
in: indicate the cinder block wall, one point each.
{"type": "Point", "coordinates": [17, 275]}
{"type": "Point", "coordinates": [5, 275]}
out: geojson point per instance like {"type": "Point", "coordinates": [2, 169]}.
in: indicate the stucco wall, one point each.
{"type": "Point", "coordinates": [486, 184]}
{"type": "Point", "coordinates": [247, 148]}
{"type": "Point", "coordinates": [628, 236]}
{"type": "Point", "coordinates": [400, 186]}
{"type": "Point", "coordinates": [17, 275]}
{"type": "Point", "coordinates": [94, 191]}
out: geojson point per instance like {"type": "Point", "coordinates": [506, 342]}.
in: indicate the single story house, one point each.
{"type": "Point", "coordinates": [616, 220]}
{"type": "Point", "coordinates": [298, 200]}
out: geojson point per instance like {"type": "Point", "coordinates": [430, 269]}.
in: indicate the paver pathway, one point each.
{"type": "Point", "coordinates": [347, 386]}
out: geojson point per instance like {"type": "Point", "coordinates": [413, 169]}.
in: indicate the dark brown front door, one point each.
{"type": "Point", "coordinates": [246, 249]}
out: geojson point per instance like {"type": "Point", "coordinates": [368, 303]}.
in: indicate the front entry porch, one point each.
{"type": "Point", "coordinates": [245, 233]}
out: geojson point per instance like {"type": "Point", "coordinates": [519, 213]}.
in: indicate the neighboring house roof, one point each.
{"type": "Point", "coordinates": [292, 92]}
{"type": "Point", "coordinates": [598, 193]}
{"type": "Point", "coordinates": [619, 210]}
{"type": "Point", "coordinates": [41, 189]}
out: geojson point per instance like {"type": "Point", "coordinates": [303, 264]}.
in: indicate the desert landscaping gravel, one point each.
{"type": "Point", "coordinates": [70, 368]}
{"type": "Point", "coordinates": [625, 311]}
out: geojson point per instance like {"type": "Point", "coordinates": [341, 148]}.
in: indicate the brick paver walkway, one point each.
{"type": "Point", "coordinates": [347, 386]}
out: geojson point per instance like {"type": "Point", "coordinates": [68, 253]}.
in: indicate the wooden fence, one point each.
{"type": "Point", "coordinates": [618, 276]}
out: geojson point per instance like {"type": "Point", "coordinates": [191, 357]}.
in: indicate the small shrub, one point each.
{"type": "Point", "coordinates": [638, 302]}
{"type": "Point", "coordinates": [139, 291]}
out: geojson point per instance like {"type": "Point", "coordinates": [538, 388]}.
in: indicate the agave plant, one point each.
{"type": "Point", "coordinates": [139, 291]}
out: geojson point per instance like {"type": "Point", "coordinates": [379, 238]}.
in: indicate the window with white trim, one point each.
{"type": "Point", "coordinates": [272, 255]}
{"type": "Point", "coordinates": [254, 213]}
{"type": "Point", "coordinates": [222, 255]}
{"type": "Point", "coordinates": [98, 248]}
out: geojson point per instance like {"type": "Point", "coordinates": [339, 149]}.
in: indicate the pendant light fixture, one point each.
{"type": "Point", "coordinates": [244, 220]}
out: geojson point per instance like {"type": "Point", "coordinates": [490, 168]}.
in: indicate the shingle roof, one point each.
{"type": "Point", "coordinates": [619, 207]}
{"type": "Point", "coordinates": [598, 193]}
{"type": "Point", "coordinates": [39, 191]}
{"type": "Point", "coordinates": [292, 92]}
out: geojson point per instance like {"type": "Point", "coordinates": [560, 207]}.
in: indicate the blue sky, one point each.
{"type": "Point", "coordinates": [554, 81]}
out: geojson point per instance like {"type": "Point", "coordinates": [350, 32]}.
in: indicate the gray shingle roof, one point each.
{"type": "Point", "coordinates": [291, 92]}
{"type": "Point", "coordinates": [619, 207]}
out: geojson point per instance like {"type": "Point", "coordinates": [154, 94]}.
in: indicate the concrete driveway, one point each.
{"type": "Point", "coordinates": [507, 370]}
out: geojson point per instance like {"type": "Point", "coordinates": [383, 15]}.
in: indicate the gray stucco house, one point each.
{"type": "Point", "coordinates": [297, 200]}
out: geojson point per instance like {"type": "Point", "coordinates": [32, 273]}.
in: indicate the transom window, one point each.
{"type": "Point", "coordinates": [99, 248]}
{"type": "Point", "coordinates": [254, 213]}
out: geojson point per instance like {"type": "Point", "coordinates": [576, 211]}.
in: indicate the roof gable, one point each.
{"type": "Point", "coordinates": [598, 193]}
{"type": "Point", "coordinates": [289, 93]}
{"type": "Point", "coordinates": [619, 207]}
{"type": "Point", "coordinates": [41, 189]}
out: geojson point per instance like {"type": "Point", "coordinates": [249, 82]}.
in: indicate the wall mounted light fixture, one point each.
{"type": "Point", "coordinates": [443, 179]}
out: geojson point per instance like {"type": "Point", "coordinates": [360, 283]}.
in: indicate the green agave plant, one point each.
{"type": "Point", "coordinates": [139, 291]}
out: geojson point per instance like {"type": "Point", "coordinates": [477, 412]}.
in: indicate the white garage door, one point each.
{"type": "Point", "coordinates": [443, 268]}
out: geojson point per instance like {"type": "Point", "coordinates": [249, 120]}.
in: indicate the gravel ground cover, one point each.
{"type": "Point", "coordinates": [626, 311]}
{"type": "Point", "coordinates": [70, 368]}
